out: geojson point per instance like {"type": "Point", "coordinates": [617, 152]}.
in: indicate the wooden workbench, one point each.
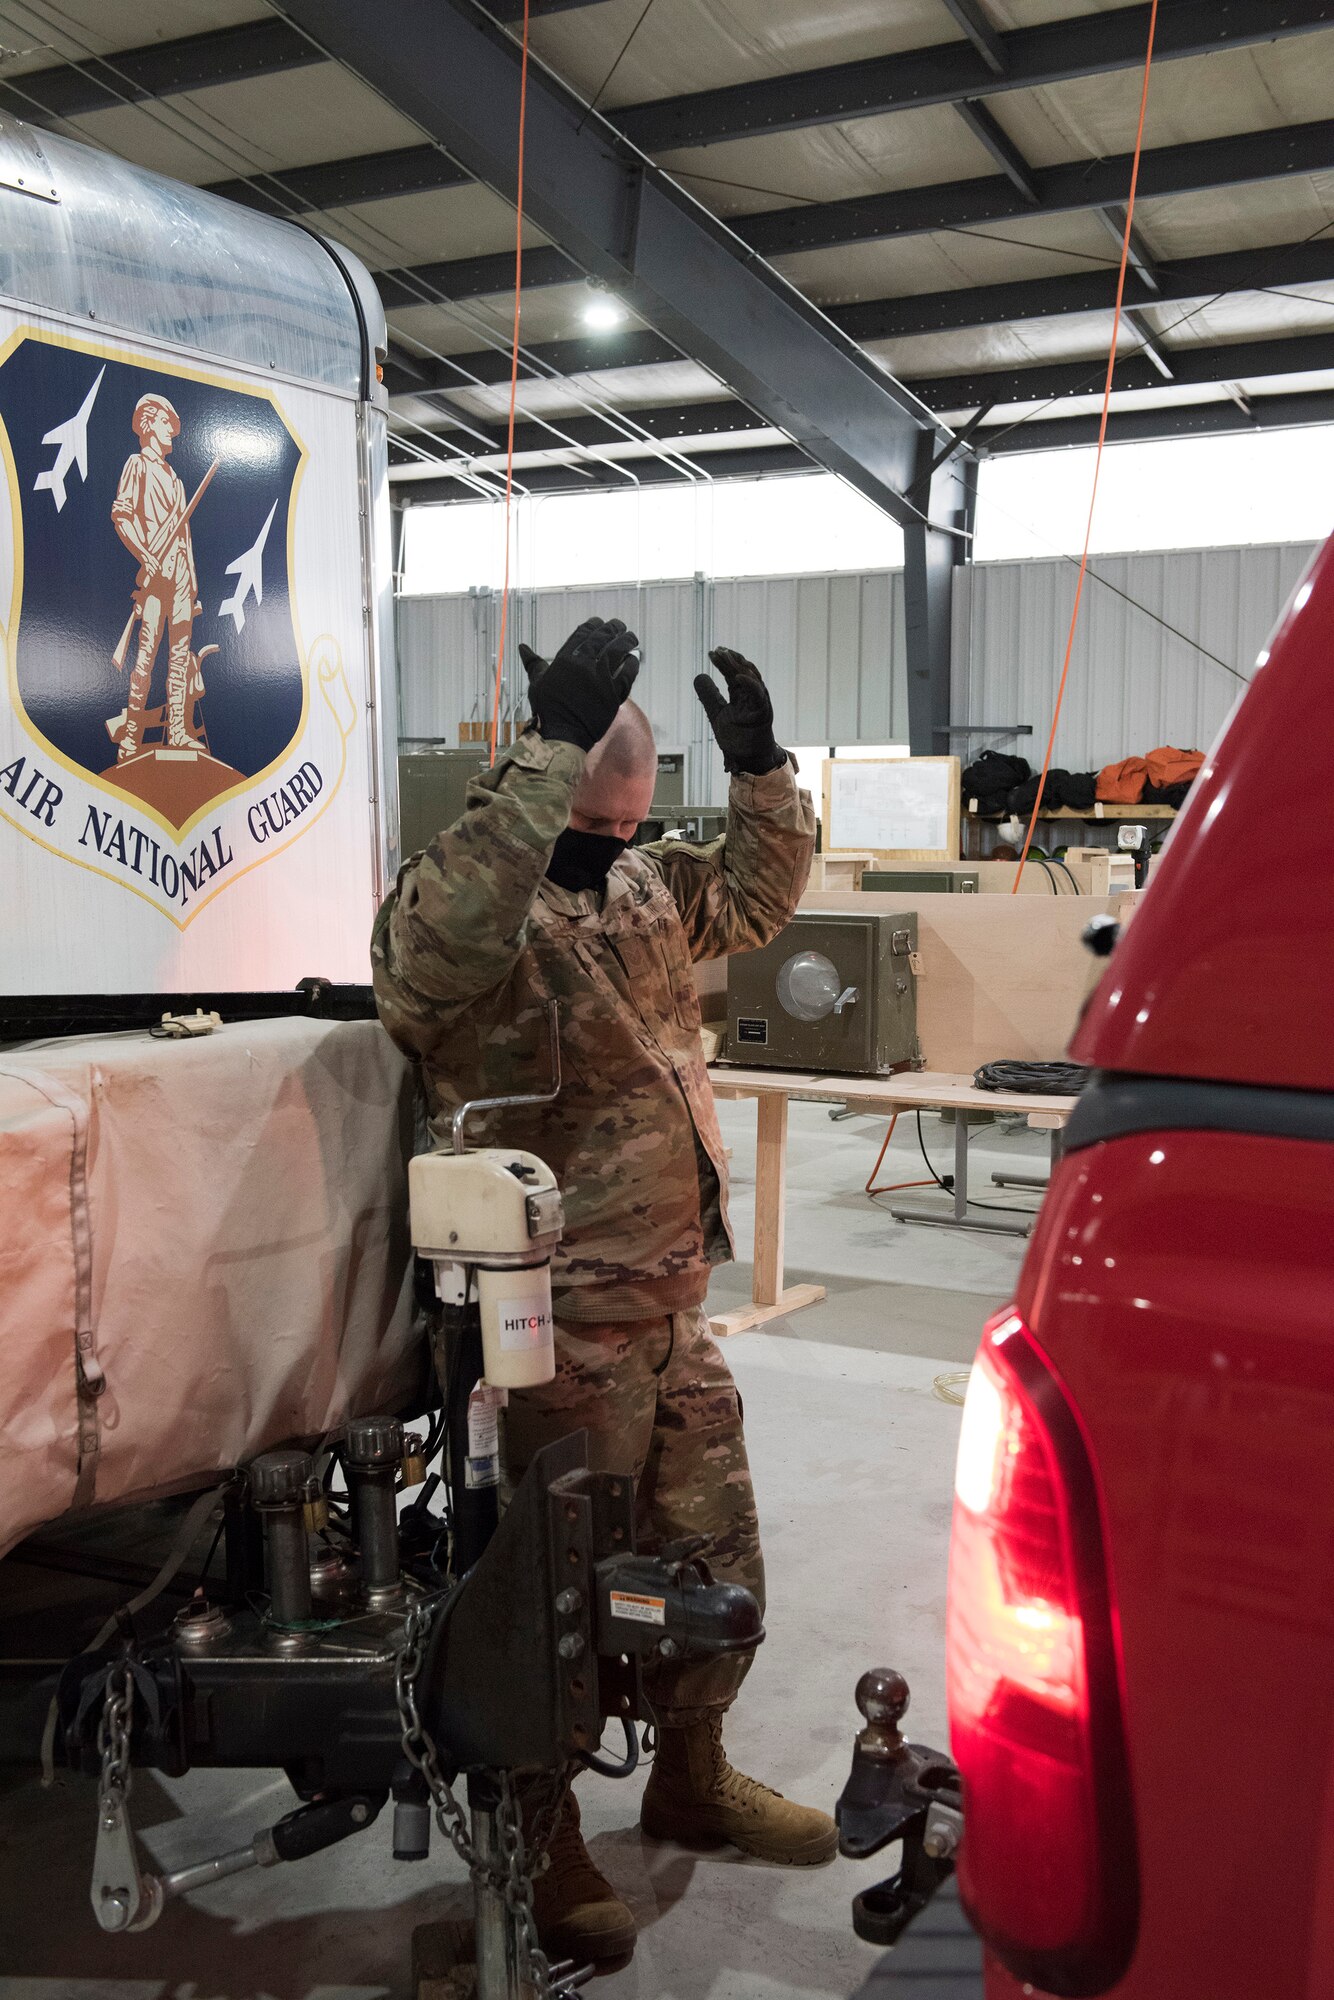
{"type": "Point", "coordinates": [921, 1090]}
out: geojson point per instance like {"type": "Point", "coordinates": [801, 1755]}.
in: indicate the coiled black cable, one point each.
{"type": "Point", "coordinates": [1035, 1079]}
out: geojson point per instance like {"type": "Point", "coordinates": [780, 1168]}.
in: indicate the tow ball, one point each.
{"type": "Point", "coordinates": [897, 1790]}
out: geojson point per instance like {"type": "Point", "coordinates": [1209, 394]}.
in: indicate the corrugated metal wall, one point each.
{"type": "Point", "coordinates": [831, 648]}
{"type": "Point", "coordinates": [1133, 682]}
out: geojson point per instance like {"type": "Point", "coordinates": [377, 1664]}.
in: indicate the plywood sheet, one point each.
{"type": "Point", "coordinates": [1003, 978]}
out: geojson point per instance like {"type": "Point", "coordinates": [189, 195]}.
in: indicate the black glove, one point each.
{"type": "Point", "coordinates": [574, 699]}
{"type": "Point", "coordinates": [743, 724]}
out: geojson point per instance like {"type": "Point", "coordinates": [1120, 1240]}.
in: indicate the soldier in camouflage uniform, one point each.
{"type": "Point", "coordinates": [533, 896]}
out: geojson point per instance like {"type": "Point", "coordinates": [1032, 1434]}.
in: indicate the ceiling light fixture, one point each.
{"type": "Point", "coordinates": [602, 314]}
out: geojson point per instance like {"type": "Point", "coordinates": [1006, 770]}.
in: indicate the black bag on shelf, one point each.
{"type": "Point", "coordinates": [1073, 789]}
{"type": "Point", "coordinates": [990, 778]}
{"type": "Point", "coordinates": [1078, 789]}
{"type": "Point", "coordinates": [1165, 795]}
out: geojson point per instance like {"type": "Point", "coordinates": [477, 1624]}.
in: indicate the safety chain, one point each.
{"type": "Point", "coordinates": [514, 1882]}
{"type": "Point", "coordinates": [418, 1744]}
{"type": "Point", "coordinates": [517, 1885]}
{"type": "Point", "coordinates": [113, 1740]}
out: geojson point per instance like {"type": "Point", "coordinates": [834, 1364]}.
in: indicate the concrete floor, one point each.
{"type": "Point", "coordinates": [852, 1449]}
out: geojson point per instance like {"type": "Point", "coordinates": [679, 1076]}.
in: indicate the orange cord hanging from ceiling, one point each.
{"type": "Point", "coordinates": [1097, 463]}
{"type": "Point", "coordinates": [514, 388]}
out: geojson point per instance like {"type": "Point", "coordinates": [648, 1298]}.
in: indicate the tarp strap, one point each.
{"type": "Point", "coordinates": [89, 1379]}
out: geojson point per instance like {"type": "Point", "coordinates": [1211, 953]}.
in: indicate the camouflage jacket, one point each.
{"type": "Point", "coordinates": [474, 942]}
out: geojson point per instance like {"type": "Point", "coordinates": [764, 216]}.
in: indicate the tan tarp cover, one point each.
{"type": "Point", "coordinates": [210, 1236]}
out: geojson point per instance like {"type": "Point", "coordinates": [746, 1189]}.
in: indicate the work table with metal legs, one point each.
{"type": "Point", "coordinates": [922, 1090]}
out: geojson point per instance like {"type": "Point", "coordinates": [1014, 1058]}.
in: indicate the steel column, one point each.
{"type": "Point", "coordinates": [931, 554]}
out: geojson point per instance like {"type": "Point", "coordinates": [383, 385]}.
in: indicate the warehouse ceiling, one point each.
{"type": "Point", "coordinates": [942, 178]}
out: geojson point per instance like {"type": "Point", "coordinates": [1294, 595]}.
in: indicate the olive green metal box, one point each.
{"type": "Point", "coordinates": [433, 790]}
{"type": "Point", "coordinates": [836, 993]}
{"type": "Point", "coordinates": [670, 789]}
{"type": "Point", "coordinates": [921, 881]}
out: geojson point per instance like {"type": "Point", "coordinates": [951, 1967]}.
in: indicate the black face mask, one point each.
{"type": "Point", "coordinates": [583, 860]}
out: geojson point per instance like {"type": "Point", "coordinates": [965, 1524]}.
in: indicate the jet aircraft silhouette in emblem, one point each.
{"type": "Point", "coordinates": [249, 573]}
{"type": "Point", "coordinates": [72, 438]}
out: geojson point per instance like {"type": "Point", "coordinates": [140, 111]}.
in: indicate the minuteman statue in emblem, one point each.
{"type": "Point", "coordinates": [151, 514]}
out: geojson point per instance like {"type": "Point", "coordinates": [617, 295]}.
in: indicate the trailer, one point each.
{"type": "Point", "coordinates": [198, 819]}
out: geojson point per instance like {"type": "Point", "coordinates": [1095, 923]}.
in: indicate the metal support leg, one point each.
{"type": "Point", "coordinates": [497, 1956]}
{"type": "Point", "coordinates": [960, 1218]}
{"type": "Point", "coordinates": [1040, 1181]}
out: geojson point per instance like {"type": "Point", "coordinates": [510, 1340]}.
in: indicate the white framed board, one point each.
{"type": "Point", "coordinates": [907, 807]}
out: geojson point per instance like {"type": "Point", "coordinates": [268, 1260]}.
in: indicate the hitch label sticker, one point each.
{"type": "Point", "coordinates": [524, 1322]}
{"type": "Point", "coordinates": [641, 1610]}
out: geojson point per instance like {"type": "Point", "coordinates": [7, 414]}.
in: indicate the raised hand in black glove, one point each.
{"type": "Point", "coordinates": [744, 723]}
{"type": "Point", "coordinates": [574, 698]}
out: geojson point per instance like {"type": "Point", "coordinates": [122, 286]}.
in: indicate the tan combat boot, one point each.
{"type": "Point", "coordinates": [579, 1915]}
{"type": "Point", "coordinates": [694, 1797]}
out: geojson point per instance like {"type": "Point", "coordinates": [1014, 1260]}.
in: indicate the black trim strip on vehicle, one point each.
{"type": "Point", "coordinates": [1112, 1106]}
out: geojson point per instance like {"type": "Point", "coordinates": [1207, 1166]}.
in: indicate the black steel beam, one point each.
{"type": "Point", "coordinates": [1191, 367]}
{"type": "Point", "coordinates": [592, 476]}
{"type": "Point", "coordinates": [415, 375]}
{"type": "Point", "coordinates": [946, 73]}
{"type": "Point", "coordinates": [512, 10]}
{"type": "Point", "coordinates": [981, 31]}
{"type": "Point", "coordinates": [1075, 184]}
{"type": "Point", "coordinates": [1264, 413]}
{"type": "Point", "coordinates": [1001, 147]}
{"type": "Point", "coordinates": [341, 183]}
{"type": "Point", "coordinates": [1080, 184]}
{"type": "Point", "coordinates": [192, 62]}
{"type": "Point", "coordinates": [1084, 45]}
{"type": "Point", "coordinates": [158, 69]}
{"type": "Point", "coordinates": [1113, 221]}
{"type": "Point", "coordinates": [474, 277]}
{"type": "Point", "coordinates": [446, 65]}
{"type": "Point", "coordinates": [665, 422]}
{"type": "Point", "coordinates": [1090, 290]}
{"type": "Point", "coordinates": [1152, 345]}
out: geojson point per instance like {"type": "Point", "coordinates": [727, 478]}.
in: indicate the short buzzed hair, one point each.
{"type": "Point", "coordinates": [621, 773]}
{"type": "Point", "coordinates": [628, 748]}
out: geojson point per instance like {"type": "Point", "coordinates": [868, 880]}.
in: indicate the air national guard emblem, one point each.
{"type": "Point", "coordinates": [155, 665]}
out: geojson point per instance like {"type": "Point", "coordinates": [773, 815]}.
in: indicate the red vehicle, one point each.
{"type": "Point", "coordinates": [1141, 1600]}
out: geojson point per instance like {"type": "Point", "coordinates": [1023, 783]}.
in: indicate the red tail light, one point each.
{"type": "Point", "coordinates": [1048, 1867]}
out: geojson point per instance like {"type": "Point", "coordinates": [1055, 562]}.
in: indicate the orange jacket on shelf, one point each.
{"type": "Point", "coordinates": [1167, 766]}
{"type": "Point", "coordinates": [1123, 784]}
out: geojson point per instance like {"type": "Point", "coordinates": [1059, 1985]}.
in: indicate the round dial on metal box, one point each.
{"type": "Point", "coordinates": [809, 986]}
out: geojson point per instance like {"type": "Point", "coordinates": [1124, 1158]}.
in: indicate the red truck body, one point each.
{"type": "Point", "coordinates": [1141, 1639]}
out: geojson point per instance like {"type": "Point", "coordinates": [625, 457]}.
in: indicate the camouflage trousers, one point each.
{"type": "Point", "coordinates": [658, 1401]}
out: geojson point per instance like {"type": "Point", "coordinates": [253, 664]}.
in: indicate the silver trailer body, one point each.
{"type": "Point", "coordinates": [197, 794]}
{"type": "Point", "coordinates": [197, 750]}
